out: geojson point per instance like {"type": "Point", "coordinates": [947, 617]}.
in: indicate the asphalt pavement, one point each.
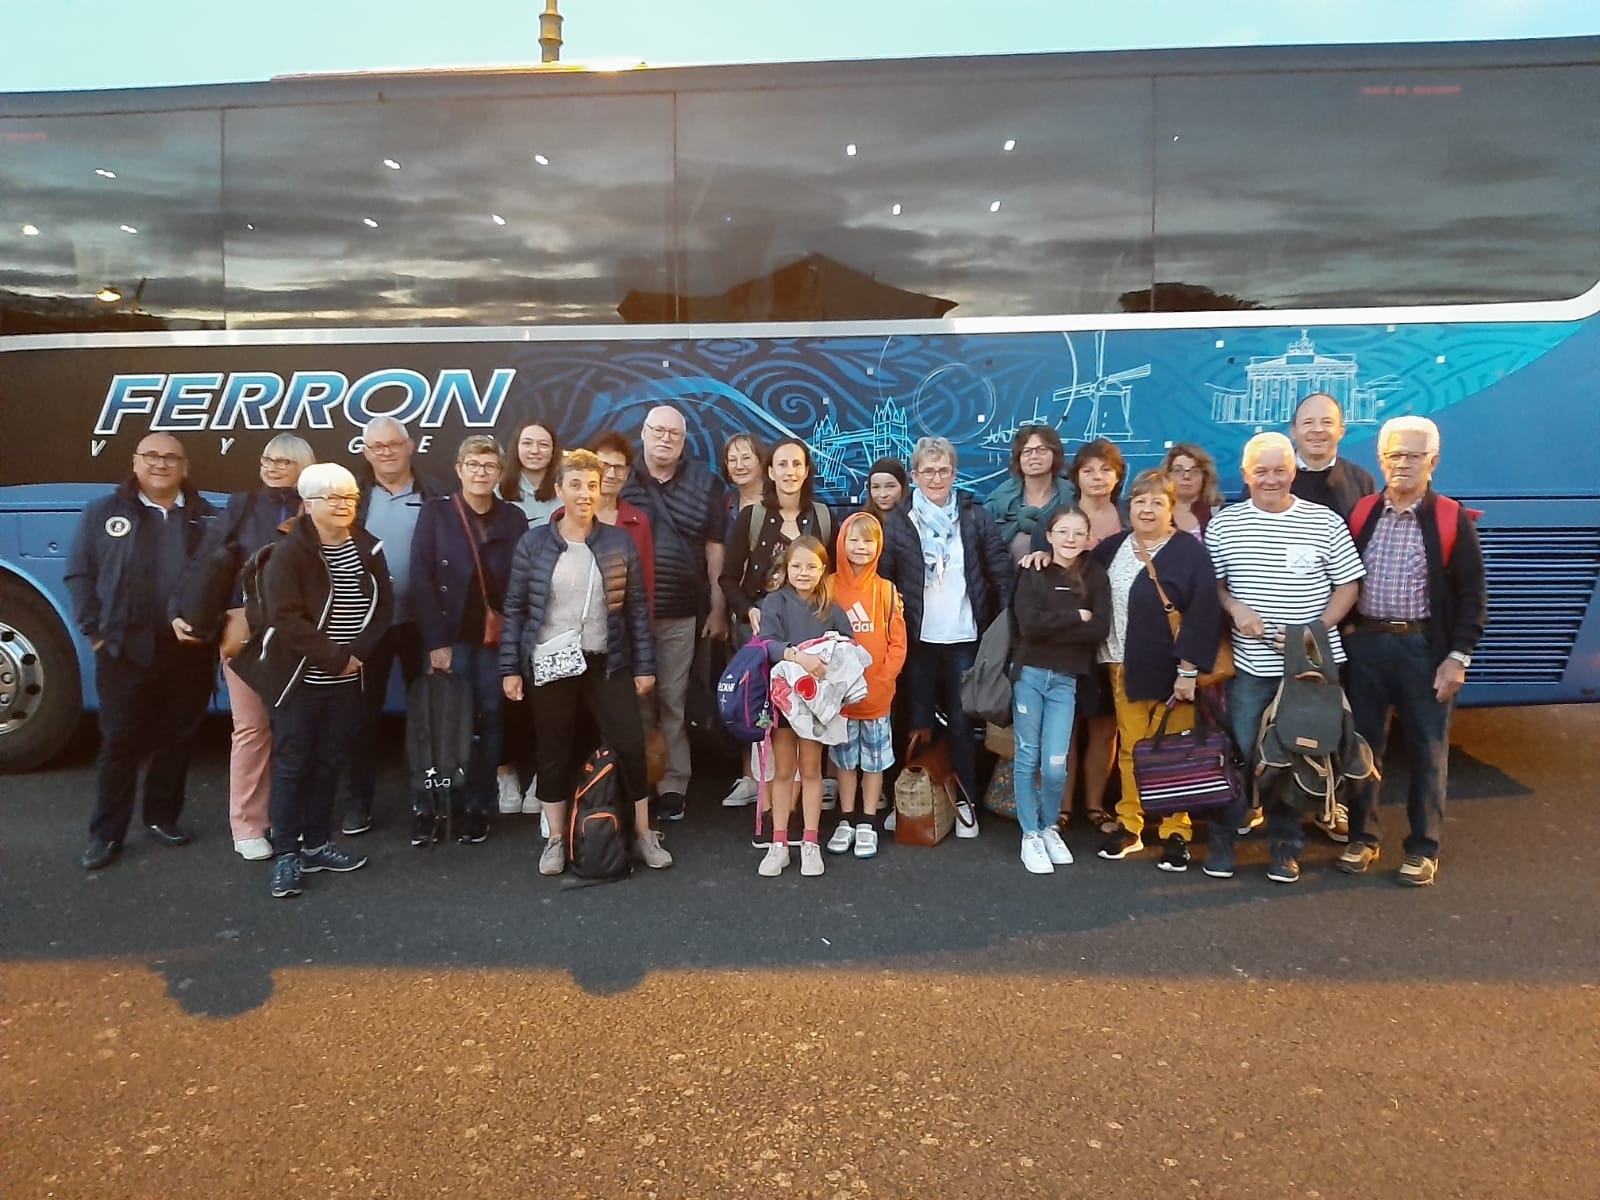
{"type": "Point", "coordinates": [928, 1023]}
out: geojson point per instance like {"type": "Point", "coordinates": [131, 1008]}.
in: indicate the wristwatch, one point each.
{"type": "Point", "coordinates": [1461, 657]}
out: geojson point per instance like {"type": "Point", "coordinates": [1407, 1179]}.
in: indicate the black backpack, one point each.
{"type": "Point", "coordinates": [206, 589]}
{"type": "Point", "coordinates": [597, 843]}
{"type": "Point", "coordinates": [439, 736]}
{"type": "Point", "coordinates": [250, 587]}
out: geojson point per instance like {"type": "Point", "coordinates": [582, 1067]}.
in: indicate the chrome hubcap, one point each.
{"type": "Point", "coordinates": [21, 679]}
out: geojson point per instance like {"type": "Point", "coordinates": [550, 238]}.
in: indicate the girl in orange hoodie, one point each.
{"type": "Point", "coordinates": [878, 618]}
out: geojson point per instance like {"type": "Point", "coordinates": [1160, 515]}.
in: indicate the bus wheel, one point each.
{"type": "Point", "coordinates": [41, 692]}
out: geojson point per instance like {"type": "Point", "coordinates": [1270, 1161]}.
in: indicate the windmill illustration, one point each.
{"type": "Point", "coordinates": [1109, 399]}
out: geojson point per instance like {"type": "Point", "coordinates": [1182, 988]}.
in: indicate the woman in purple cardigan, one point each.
{"type": "Point", "coordinates": [1146, 666]}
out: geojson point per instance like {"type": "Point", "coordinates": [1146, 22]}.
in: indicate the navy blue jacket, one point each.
{"type": "Point", "coordinates": [987, 560]}
{"type": "Point", "coordinates": [629, 646]}
{"type": "Point", "coordinates": [1149, 656]}
{"type": "Point", "coordinates": [443, 574]}
{"type": "Point", "coordinates": [101, 562]}
{"type": "Point", "coordinates": [686, 513]}
{"type": "Point", "coordinates": [298, 597]}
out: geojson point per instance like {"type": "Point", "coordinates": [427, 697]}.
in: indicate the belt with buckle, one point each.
{"type": "Point", "coordinates": [1379, 625]}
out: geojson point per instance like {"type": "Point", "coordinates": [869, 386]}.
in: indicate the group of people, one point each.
{"type": "Point", "coordinates": [571, 588]}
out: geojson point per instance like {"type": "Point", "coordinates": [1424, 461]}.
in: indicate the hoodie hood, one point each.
{"type": "Point", "coordinates": [853, 577]}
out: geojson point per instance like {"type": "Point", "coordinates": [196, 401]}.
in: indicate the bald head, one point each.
{"type": "Point", "coordinates": [663, 439]}
{"type": "Point", "coordinates": [1318, 428]}
{"type": "Point", "coordinates": [159, 466]}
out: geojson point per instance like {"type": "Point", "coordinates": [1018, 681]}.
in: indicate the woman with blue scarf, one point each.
{"type": "Point", "coordinates": [955, 575]}
{"type": "Point", "coordinates": [1023, 504]}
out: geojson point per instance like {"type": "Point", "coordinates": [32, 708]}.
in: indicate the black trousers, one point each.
{"type": "Point", "coordinates": [311, 734]}
{"type": "Point", "coordinates": [561, 713]}
{"type": "Point", "coordinates": [148, 713]}
{"type": "Point", "coordinates": [402, 643]}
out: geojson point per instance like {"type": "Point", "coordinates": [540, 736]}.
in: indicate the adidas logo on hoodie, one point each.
{"type": "Point", "coordinates": [860, 620]}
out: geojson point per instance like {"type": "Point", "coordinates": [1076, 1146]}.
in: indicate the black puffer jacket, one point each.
{"type": "Point", "coordinates": [986, 562]}
{"type": "Point", "coordinates": [298, 595]}
{"type": "Point", "coordinates": [629, 646]}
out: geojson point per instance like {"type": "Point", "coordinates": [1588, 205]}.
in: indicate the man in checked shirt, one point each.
{"type": "Point", "coordinates": [1421, 612]}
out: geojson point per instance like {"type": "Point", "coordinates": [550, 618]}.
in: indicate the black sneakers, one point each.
{"type": "Point", "coordinates": [426, 829]}
{"type": "Point", "coordinates": [357, 821]}
{"type": "Point", "coordinates": [1176, 855]}
{"type": "Point", "coordinates": [1120, 843]}
{"type": "Point", "coordinates": [474, 829]}
{"type": "Point", "coordinates": [670, 806]}
{"type": "Point", "coordinates": [328, 857]}
{"type": "Point", "coordinates": [1284, 868]}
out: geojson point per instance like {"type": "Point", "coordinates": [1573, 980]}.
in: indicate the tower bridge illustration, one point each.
{"type": "Point", "coordinates": [843, 456]}
{"type": "Point", "coordinates": [1275, 386]}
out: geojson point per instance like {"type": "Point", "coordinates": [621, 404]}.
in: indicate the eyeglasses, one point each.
{"type": "Point", "coordinates": [1397, 458]}
{"type": "Point", "coordinates": [479, 468]}
{"type": "Point", "coordinates": [338, 501]}
{"type": "Point", "coordinates": [276, 464]}
{"type": "Point", "coordinates": [1185, 471]}
{"type": "Point", "coordinates": [387, 447]}
{"type": "Point", "coordinates": [1027, 450]}
{"type": "Point", "coordinates": [607, 468]}
{"type": "Point", "coordinates": [153, 459]}
{"type": "Point", "coordinates": [665, 432]}
{"type": "Point", "coordinates": [936, 472]}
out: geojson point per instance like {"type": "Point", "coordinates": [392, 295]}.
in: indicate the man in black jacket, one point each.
{"type": "Point", "coordinates": [1321, 476]}
{"type": "Point", "coordinates": [152, 675]}
{"type": "Point", "coordinates": [1422, 610]}
{"type": "Point", "coordinates": [955, 575]}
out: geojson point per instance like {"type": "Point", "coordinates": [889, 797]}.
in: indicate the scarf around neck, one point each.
{"type": "Point", "coordinates": [937, 525]}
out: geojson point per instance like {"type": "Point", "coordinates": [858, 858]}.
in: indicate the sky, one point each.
{"type": "Point", "coordinates": [78, 44]}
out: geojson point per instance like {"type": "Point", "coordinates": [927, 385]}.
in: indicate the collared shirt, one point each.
{"type": "Point", "coordinates": [1397, 567]}
{"type": "Point", "coordinates": [392, 519]}
{"type": "Point", "coordinates": [172, 548]}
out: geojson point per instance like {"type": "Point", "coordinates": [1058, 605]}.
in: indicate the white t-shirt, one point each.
{"type": "Point", "coordinates": [1285, 567]}
{"type": "Point", "coordinates": [946, 608]}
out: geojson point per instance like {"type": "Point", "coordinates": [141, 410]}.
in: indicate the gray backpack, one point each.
{"type": "Point", "coordinates": [986, 688]}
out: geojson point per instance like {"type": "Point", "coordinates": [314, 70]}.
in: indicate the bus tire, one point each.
{"type": "Point", "coordinates": [41, 689]}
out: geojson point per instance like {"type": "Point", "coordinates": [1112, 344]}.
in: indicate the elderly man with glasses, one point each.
{"type": "Point", "coordinates": [391, 501]}
{"type": "Point", "coordinates": [955, 575]}
{"type": "Point", "coordinates": [152, 674]}
{"type": "Point", "coordinates": [684, 503]}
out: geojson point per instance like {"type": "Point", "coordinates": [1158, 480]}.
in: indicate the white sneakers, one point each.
{"type": "Point", "coordinates": [509, 793]}
{"type": "Point", "coordinates": [253, 849]}
{"type": "Point", "coordinates": [843, 838]}
{"type": "Point", "coordinates": [743, 794]}
{"type": "Point", "coordinates": [866, 841]}
{"type": "Point", "coordinates": [1034, 856]}
{"type": "Point", "coordinates": [810, 858]}
{"type": "Point", "coordinates": [1056, 848]}
{"type": "Point", "coordinates": [647, 848]}
{"type": "Point", "coordinates": [964, 815]}
{"type": "Point", "coordinates": [530, 798]}
{"type": "Point", "coordinates": [554, 859]}
{"type": "Point", "coordinates": [777, 859]}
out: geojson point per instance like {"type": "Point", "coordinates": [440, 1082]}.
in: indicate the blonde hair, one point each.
{"type": "Point", "coordinates": [821, 598]}
{"type": "Point", "coordinates": [287, 445]}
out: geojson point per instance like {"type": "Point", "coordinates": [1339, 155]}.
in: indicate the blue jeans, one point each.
{"type": "Point", "coordinates": [1394, 672]}
{"type": "Point", "coordinates": [933, 676]}
{"type": "Point", "coordinates": [1248, 697]}
{"type": "Point", "coordinates": [480, 667]}
{"type": "Point", "coordinates": [1043, 703]}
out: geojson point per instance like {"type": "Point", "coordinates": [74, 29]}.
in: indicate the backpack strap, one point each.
{"type": "Point", "coordinates": [1361, 515]}
{"type": "Point", "coordinates": [1299, 641]}
{"type": "Point", "coordinates": [824, 518]}
{"type": "Point", "coordinates": [1447, 514]}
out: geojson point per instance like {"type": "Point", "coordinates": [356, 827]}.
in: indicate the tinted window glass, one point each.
{"type": "Point", "coordinates": [929, 215]}
{"type": "Point", "coordinates": [464, 212]}
{"type": "Point", "coordinates": [1361, 188]}
{"type": "Point", "coordinates": [110, 222]}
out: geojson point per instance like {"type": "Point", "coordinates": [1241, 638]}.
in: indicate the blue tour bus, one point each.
{"type": "Point", "coordinates": [1148, 247]}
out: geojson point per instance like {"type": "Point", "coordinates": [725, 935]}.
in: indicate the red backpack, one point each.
{"type": "Point", "coordinates": [1446, 513]}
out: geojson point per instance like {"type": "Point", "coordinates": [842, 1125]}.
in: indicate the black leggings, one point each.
{"type": "Point", "coordinates": [559, 709]}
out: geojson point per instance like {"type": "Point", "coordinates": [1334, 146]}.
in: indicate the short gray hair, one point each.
{"type": "Point", "coordinates": [378, 424]}
{"type": "Point", "coordinates": [1410, 425]}
{"type": "Point", "coordinates": [287, 445]}
{"type": "Point", "coordinates": [932, 447]}
{"type": "Point", "coordinates": [321, 480]}
{"type": "Point", "coordinates": [479, 443]}
{"type": "Point", "coordinates": [1261, 443]}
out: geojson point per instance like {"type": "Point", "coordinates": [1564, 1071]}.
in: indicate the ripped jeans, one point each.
{"type": "Point", "coordinates": [1043, 703]}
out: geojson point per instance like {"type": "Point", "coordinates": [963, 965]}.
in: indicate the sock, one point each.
{"type": "Point", "coordinates": [875, 820]}
{"type": "Point", "coordinates": [780, 837]}
{"type": "Point", "coordinates": [809, 835]}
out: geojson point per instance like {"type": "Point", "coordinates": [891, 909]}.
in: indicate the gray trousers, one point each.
{"type": "Point", "coordinates": [663, 709]}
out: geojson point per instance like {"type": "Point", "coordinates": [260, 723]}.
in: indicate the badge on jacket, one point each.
{"type": "Point", "coordinates": [118, 526]}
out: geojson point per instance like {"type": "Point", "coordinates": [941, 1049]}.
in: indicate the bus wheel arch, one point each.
{"type": "Point", "coordinates": [41, 687]}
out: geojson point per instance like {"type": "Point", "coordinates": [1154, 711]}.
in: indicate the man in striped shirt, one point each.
{"type": "Point", "coordinates": [1280, 561]}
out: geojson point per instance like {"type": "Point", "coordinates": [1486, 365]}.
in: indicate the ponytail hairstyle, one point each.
{"type": "Point", "coordinates": [821, 598]}
{"type": "Point", "coordinates": [1075, 568]}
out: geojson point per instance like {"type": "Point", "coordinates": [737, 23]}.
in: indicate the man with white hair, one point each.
{"type": "Point", "coordinates": [688, 519]}
{"type": "Point", "coordinates": [390, 504]}
{"type": "Point", "coordinates": [1280, 561]}
{"type": "Point", "coordinates": [1421, 613]}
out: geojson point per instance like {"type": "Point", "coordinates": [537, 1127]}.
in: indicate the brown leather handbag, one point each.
{"type": "Point", "coordinates": [493, 620]}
